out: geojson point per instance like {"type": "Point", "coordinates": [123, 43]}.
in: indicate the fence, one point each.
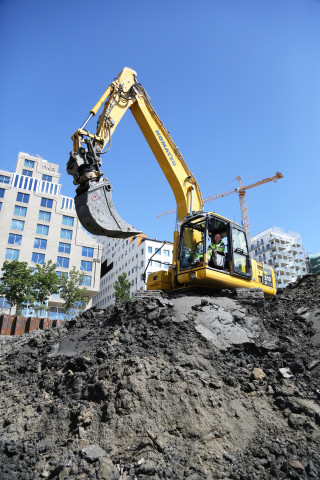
{"type": "Point", "coordinates": [15, 325]}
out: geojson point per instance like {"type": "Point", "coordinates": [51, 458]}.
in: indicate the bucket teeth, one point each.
{"type": "Point", "coordinates": [97, 214]}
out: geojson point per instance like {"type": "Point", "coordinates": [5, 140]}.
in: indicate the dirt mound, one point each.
{"type": "Point", "coordinates": [189, 387]}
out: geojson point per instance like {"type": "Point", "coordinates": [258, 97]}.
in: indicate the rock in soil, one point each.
{"type": "Point", "coordinates": [185, 387]}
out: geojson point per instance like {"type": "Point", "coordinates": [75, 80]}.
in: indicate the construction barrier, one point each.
{"type": "Point", "coordinates": [15, 325]}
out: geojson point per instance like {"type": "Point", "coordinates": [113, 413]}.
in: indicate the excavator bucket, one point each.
{"type": "Point", "coordinates": [97, 214]}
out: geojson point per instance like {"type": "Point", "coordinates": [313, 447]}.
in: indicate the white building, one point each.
{"type": "Point", "coordinates": [131, 256]}
{"type": "Point", "coordinates": [39, 224]}
{"type": "Point", "coordinates": [283, 251]}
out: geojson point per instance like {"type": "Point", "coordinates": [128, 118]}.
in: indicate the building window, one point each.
{"type": "Point", "coordinates": [20, 211]}
{"type": "Point", "coordinates": [63, 262]}
{"type": "Point", "coordinates": [87, 252]}
{"type": "Point", "coordinates": [27, 173]}
{"type": "Point", "coordinates": [166, 253]}
{"type": "Point", "coordinates": [64, 247]}
{"type": "Point", "coordinates": [0, 206]}
{"type": "Point", "coordinates": [45, 216]}
{"type": "Point", "coordinates": [67, 220]}
{"type": "Point", "coordinates": [4, 179]}
{"type": "Point", "coordinates": [46, 202]}
{"type": "Point", "coordinates": [17, 225]}
{"type": "Point", "coordinates": [86, 281]}
{"type": "Point", "coordinates": [23, 197]}
{"type": "Point", "coordinates": [141, 251]}
{"type": "Point", "coordinates": [12, 254]}
{"type": "Point", "coordinates": [42, 229]}
{"type": "Point", "coordinates": [149, 249]}
{"type": "Point", "coordinates": [37, 257]}
{"type": "Point", "coordinates": [14, 239]}
{"type": "Point", "coordinates": [86, 266]}
{"type": "Point", "coordinates": [46, 178]}
{"type": "Point", "coordinates": [4, 303]}
{"type": "Point", "coordinates": [40, 243]}
{"type": "Point", "coordinates": [66, 233]}
{"type": "Point", "coordinates": [28, 163]}
{"type": "Point", "coordinates": [2, 192]}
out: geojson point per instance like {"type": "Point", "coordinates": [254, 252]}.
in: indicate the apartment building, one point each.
{"type": "Point", "coordinates": [283, 251]}
{"type": "Point", "coordinates": [137, 257]}
{"type": "Point", "coordinates": [313, 262]}
{"type": "Point", "coordinates": [39, 224]}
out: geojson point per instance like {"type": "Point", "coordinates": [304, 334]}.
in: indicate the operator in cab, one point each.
{"type": "Point", "coordinates": [216, 251]}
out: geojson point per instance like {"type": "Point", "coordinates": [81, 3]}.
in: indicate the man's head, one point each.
{"type": "Point", "coordinates": [217, 238]}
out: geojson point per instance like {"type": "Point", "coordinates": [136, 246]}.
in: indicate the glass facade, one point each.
{"type": "Point", "coordinates": [17, 224]}
{"type": "Point", "coordinates": [14, 239]}
{"type": "Point", "coordinates": [20, 211]}
{"type": "Point", "coordinates": [42, 229]}
{"type": "Point", "coordinates": [4, 179]}
{"type": "Point", "coordinates": [87, 252]}
{"type": "Point", "coordinates": [64, 247]}
{"type": "Point", "coordinates": [37, 257]}
{"type": "Point", "coordinates": [66, 233]}
{"type": "Point", "coordinates": [45, 216]}
{"type": "Point", "coordinates": [40, 243]}
{"type": "Point", "coordinates": [86, 281]}
{"type": "Point", "coordinates": [28, 163]}
{"type": "Point", "coordinates": [63, 262]}
{"type": "Point", "coordinates": [12, 254]}
{"type": "Point", "coordinates": [46, 202]}
{"type": "Point", "coordinates": [23, 197]}
{"type": "Point", "coordinates": [67, 220]}
{"type": "Point", "coordinates": [46, 178]}
{"type": "Point", "coordinates": [86, 266]}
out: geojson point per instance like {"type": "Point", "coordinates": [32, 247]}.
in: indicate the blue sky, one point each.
{"type": "Point", "coordinates": [236, 82]}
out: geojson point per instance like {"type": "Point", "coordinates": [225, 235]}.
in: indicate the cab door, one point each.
{"type": "Point", "coordinates": [240, 260]}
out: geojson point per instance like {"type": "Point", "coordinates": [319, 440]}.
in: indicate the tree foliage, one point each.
{"type": "Point", "coordinates": [122, 289]}
{"type": "Point", "coordinates": [22, 285]}
{"type": "Point", "coordinates": [45, 282]}
{"type": "Point", "coordinates": [16, 283]}
{"type": "Point", "coordinates": [71, 291]}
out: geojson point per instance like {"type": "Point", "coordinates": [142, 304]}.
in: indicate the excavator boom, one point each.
{"type": "Point", "coordinates": [93, 201]}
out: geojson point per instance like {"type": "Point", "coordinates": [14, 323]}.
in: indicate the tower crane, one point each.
{"type": "Point", "coordinates": [242, 198]}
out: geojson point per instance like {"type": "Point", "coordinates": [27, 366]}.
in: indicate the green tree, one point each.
{"type": "Point", "coordinates": [71, 291]}
{"type": "Point", "coordinates": [122, 289]}
{"type": "Point", "coordinates": [45, 282]}
{"type": "Point", "coordinates": [16, 284]}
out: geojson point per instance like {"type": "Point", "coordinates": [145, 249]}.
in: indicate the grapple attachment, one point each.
{"type": "Point", "coordinates": [97, 214]}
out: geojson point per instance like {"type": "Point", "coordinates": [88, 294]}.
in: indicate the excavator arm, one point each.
{"type": "Point", "coordinates": [93, 201]}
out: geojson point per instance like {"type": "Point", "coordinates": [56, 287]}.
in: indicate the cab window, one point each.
{"type": "Point", "coordinates": [192, 245]}
{"type": "Point", "coordinates": [241, 262]}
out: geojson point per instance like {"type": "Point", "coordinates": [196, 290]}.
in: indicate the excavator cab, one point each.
{"type": "Point", "coordinates": [199, 263]}
{"type": "Point", "coordinates": [194, 264]}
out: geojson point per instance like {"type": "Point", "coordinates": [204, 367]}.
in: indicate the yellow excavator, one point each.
{"type": "Point", "coordinates": [209, 250]}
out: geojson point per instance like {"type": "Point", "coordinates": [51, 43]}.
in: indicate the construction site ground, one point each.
{"type": "Point", "coordinates": [186, 387]}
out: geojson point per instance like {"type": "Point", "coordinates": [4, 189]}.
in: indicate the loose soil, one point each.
{"type": "Point", "coordinates": [188, 387]}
